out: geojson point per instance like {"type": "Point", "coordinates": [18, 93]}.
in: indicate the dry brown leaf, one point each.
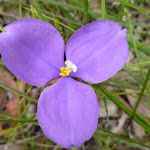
{"type": "Point", "coordinates": [12, 104]}
{"type": "Point", "coordinates": [7, 79]}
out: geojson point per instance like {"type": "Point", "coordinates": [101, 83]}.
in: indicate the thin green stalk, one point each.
{"type": "Point", "coordinates": [19, 93]}
{"type": "Point", "coordinates": [9, 116]}
{"type": "Point", "coordinates": [112, 135]}
{"type": "Point", "coordinates": [138, 64]}
{"type": "Point", "coordinates": [103, 9]}
{"type": "Point", "coordinates": [103, 139]}
{"type": "Point", "coordinates": [135, 47]}
{"type": "Point", "coordinates": [10, 129]}
{"type": "Point", "coordinates": [17, 121]}
{"type": "Point", "coordinates": [125, 93]}
{"type": "Point", "coordinates": [1, 29]}
{"type": "Point", "coordinates": [60, 23]}
{"type": "Point", "coordinates": [142, 92]}
{"type": "Point", "coordinates": [139, 100]}
{"type": "Point", "coordinates": [134, 6]}
{"type": "Point", "coordinates": [18, 99]}
{"type": "Point", "coordinates": [64, 25]}
{"type": "Point", "coordinates": [20, 9]}
{"type": "Point", "coordinates": [86, 16]}
{"type": "Point", "coordinates": [134, 43]}
{"type": "Point", "coordinates": [32, 2]}
{"type": "Point", "coordinates": [133, 75]}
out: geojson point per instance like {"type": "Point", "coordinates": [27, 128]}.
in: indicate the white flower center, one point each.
{"type": "Point", "coordinates": [65, 71]}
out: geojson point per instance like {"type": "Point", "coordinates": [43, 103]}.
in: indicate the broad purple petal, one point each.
{"type": "Point", "coordinates": [99, 50]}
{"type": "Point", "coordinates": [33, 50]}
{"type": "Point", "coordinates": [68, 112]}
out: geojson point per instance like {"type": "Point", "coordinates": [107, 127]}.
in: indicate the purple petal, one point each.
{"type": "Point", "coordinates": [99, 50]}
{"type": "Point", "coordinates": [33, 50]}
{"type": "Point", "coordinates": [68, 112]}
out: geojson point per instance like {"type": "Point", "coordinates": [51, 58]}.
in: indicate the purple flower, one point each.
{"type": "Point", "coordinates": [34, 51]}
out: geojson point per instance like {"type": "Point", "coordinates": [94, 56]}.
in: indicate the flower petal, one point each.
{"type": "Point", "coordinates": [99, 50]}
{"type": "Point", "coordinates": [68, 112]}
{"type": "Point", "coordinates": [33, 50]}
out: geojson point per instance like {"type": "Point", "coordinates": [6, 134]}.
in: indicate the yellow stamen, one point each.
{"type": "Point", "coordinates": [67, 73]}
{"type": "Point", "coordinates": [64, 71]}
{"type": "Point", "coordinates": [69, 68]}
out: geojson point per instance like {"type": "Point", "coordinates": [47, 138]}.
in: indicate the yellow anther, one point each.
{"type": "Point", "coordinates": [67, 73]}
{"type": "Point", "coordinates": [64, 71]}
{"type": "Point", "coordinates": [62, 74]}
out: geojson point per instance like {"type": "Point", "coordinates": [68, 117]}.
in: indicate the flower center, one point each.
{"type": "Point", "coordinates": [65, 71]}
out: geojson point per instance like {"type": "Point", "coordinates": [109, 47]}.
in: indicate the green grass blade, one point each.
{"type": "Point", "coordinates": [129, 112]}
{"type": "Point", "coordinates": [19, 93]}
{"type": "Point", "coordinates": [134, 6]}
{"type": "Point", "coordinates": [17, 121]}
{"type": "Point", "coordinates": [103, 9]}
{"type": "Point", "coordinates": [13, 128]}
{"type": "Point", "coordinates": [135, 48]}
{"type": "Point", "coordinates": [20, 9]}
{"type": "Point", "coordinates": [142, 92]}
{"type": "Point", "coordinates": [61, 4]}
{"type": "Point", "coordinates": [133, 75]}
{"type": "Point", "coordinates": [60, 23]}
{"type": "Point", "coordinates": [33, 4]}
{"type": "Point", "coordinates": [102, 139]}
{"type": "Point", "coordinates": [134, 43]}
{"type": "Point", "coordinates": [110, 134]}
{"type": "Point", "coordinates": [138, 102]}
{"type": "Point", "coordinates": [1, 29]}
{"type": "Point", "coordinates": [141, 47]}
{"type": "Point", "coordinates": [86, 15]}
{"type": "Point", "coordinates": [138, 64]}
{"type": "Point", "coordinates": [10, 117]}
{"type": "Point", "coordinates": [122, 84]}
